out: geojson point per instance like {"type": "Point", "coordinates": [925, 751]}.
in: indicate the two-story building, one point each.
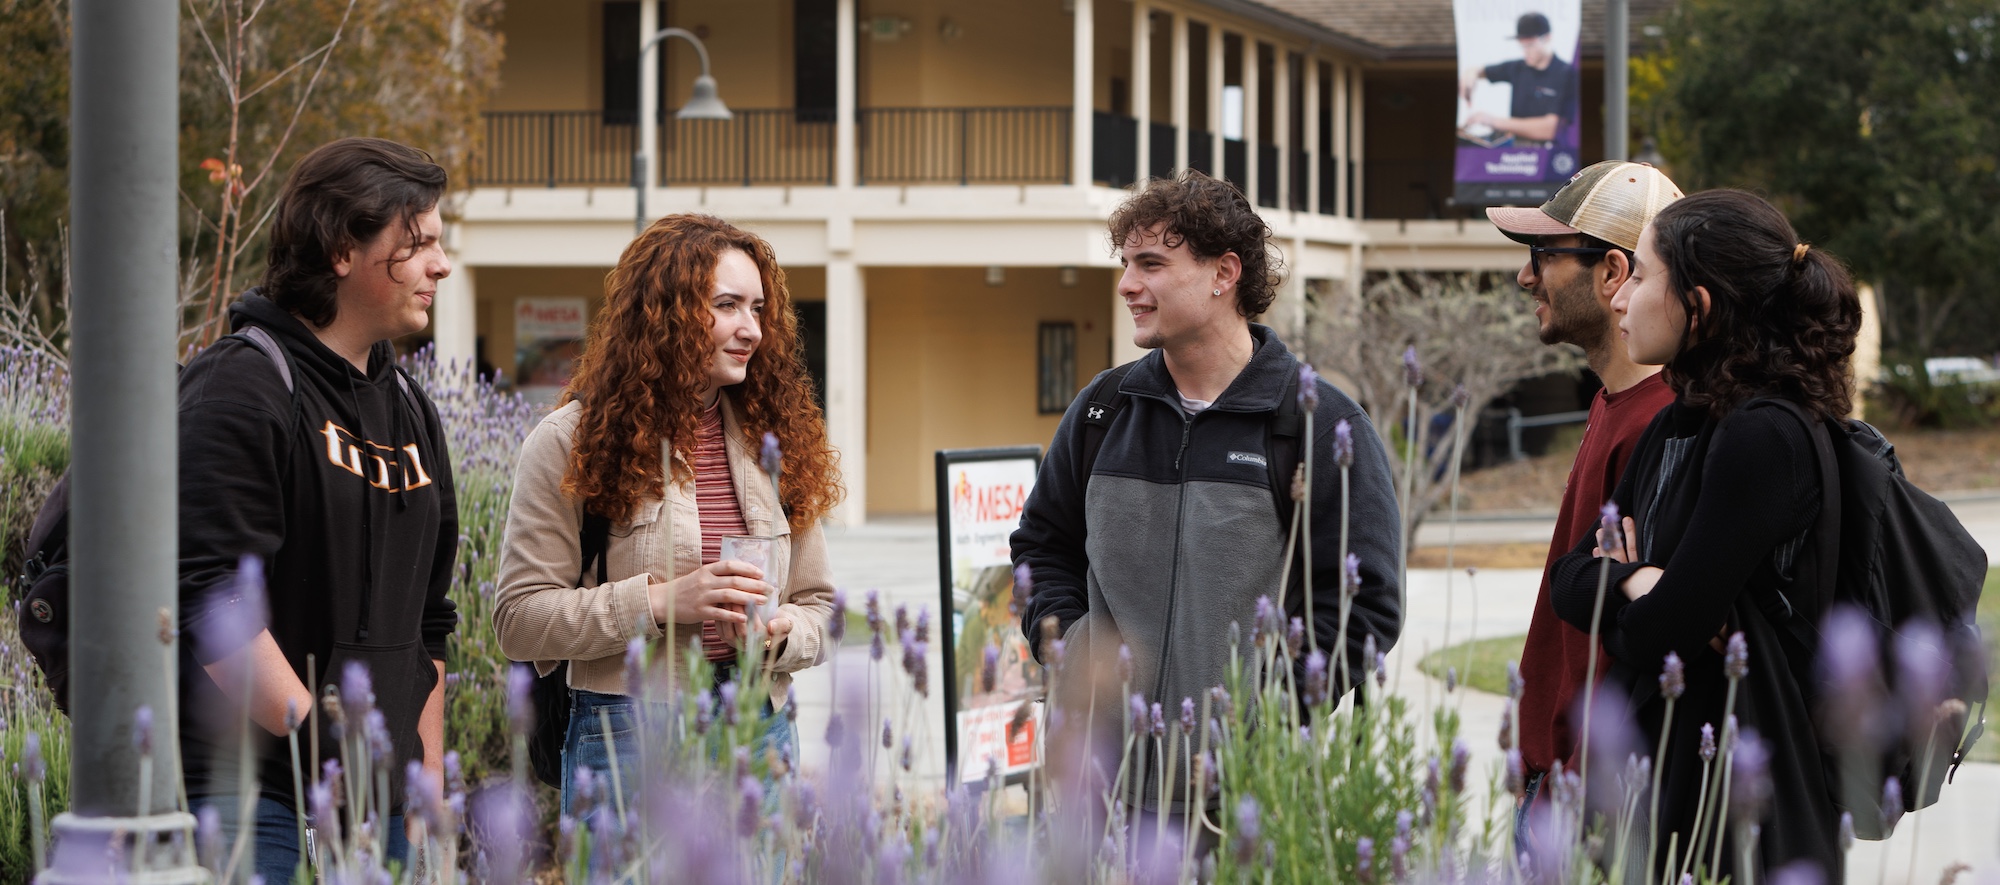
{"type": "Point", "coordinates": [935, 176]}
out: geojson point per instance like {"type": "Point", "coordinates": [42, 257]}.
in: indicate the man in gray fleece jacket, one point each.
{"type": "Point", "coordinates": [1172, 531]}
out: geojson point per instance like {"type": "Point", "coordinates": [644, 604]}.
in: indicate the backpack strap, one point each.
{"type": "Point", "coordinates": [262, 340]}
{"type": "Point", "coordinates": [593, 539]}
{"type": "Point", "coordinates": [1826, 530]}
{"type": "Point", "coordinates": [1099, 410]}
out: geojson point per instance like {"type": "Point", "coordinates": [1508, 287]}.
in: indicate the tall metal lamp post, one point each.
{"type": "Point", "coordinates": [703, 104]}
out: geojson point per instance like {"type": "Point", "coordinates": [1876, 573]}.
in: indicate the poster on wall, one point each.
{"type": "Point", "coordinates": [994, 710]}
{"type": "Point", "coordinates": [1518, 103]}
{"type": "Point", "coordinates": [548, 337]}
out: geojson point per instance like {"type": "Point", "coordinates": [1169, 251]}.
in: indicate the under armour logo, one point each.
{"type": "Point", "coordinates": [1096, 412]}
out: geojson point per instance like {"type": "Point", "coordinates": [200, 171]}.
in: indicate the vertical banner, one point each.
{"type": "Point", "coordinates": [994, 718]}
{"type": "Point", "coordinates": [1518, 108]}
{"type": "Point", "coordinates": [548, 337]}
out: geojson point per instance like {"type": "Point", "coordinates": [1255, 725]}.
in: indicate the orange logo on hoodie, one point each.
{"type": "Point", "coordinates": [379, 464]}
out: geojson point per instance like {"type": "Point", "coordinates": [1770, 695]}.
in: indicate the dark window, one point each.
{"type": "Point", "coordinates": [1056, 372]}
{"type": "Point", "coordinates": [815, 61]}
{"type": "Point", "coordinates": [621, 62]}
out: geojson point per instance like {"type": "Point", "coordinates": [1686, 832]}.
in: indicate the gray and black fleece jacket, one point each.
{"type": "Point", "coordinates": [1174, 533]}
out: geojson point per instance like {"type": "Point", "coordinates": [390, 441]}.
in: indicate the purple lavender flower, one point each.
{"type": "Point", "coordinates": [320, 798]}
{"type": "Point", "coordinates": [1138, 713]}
{"type": "Point", "coordinates": [1308, 387]}
{"type": "Point", "coordinates": [1381, 670]}
{"type": "Point", "coordinates": [1248, 830]}
{"type": "Point", "coordinates": [1187, 716]}
{"type": "Point", "coordinates": [1450, 679]}
{"type": "Point", "coordinates": [769, 456]}
{"type": "Point", "coordinates": [1922, 673]}
{"type": "Point", "coordinates": [1343, 444]}
{"type": "Point", "coordinates": [1219, 698]}
{"type": "Point", "coordinates": [142, 730]}
{"type": "Point", "coordinates": [1403, 821]}
{"type": "Point", "coordinates": [1364, 860]}
{"type": "Point", "coordinates": [836, 628]}
{"type": "Point", "coordinates": [1295, 637]}
{"type": "Point", "coordinates": [1517, 775]}
{"type": "Point", "coordinates": [31, 758]}
{"type": "Point", "coordinates": [376, 729]}
{"type": "Point", "coordinates": [1846, 830]}
{"type": "Point", "coordinates": [1265, 613]}
{"type": "Point", "coordinates": [357, 690]}
{"type": "Point", "coordinates": [989, 667]}
{"type": "Point", "coordinates": [1159, 721]}
{"type": "Point", "coordinates": [1399, 858]}
{"type": "Point", "coordinates": [834, 734]}
{"type": "Point", "coordinates": [1892, 804]}
{"type": "Point", "coordinates": [1515, 684]}
{"type": "Point", "coordinates": [1351, 576]}
{"type": "Point", "coordinates": [1124, 663]}
{"type": "Point", "coordinates": [1461, 761]}
{"type": "Point", "coordinates": [1024, 588]}
{"type": "Point", "coordinates": [208, 833]}
{"type": "Point", "coordinates": [923, 623]}
{"type": "Point", "coordinates": [1460, 397]}
{"type": "Point", "coordinates": [888, 734]}
{"type": "Point", "coordinates": [635, 667]}
{"type": "Point", "coordinates": [1507, 724]}
{"type": "Point", "coordinates": [1315, 677]}
{"type": "Point", "coordinates": [1736, 661]}
{"type": "Point", "coordinates": [1413, 372]}
{"type": "Point", "coordinates": [1610, 530]}
{"type": "Point", "coordinates": [1750, 783]}
{"type": "Point", "coordinates": [875, 647]}
{"type": "Point", "coordinates": [907, 757]}
{"type": "Point", "coordinates": [1707, 742]}
{"type": "Point", "coordinates": [1798, 872]}
{"type": "Point", "coordinates": [726, 699]}
{"type": "Point", "coordinates": [1673, 678]}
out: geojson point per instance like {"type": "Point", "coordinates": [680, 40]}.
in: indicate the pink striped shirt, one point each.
{"type": "Point", "coordinates": [721, 514]}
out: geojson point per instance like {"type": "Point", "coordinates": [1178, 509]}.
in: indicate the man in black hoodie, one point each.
{"type": "Point", "coordinates": [334, 475]}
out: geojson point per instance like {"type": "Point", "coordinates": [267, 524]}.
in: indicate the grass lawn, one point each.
{"type": "Point", "coordinates": [1488, 668]}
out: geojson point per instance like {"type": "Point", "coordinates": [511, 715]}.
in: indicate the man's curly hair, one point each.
{"type": "Point", "coordinates": [1213, 218]}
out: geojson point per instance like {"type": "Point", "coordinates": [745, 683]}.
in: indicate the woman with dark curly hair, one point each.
{"type": "Point", "coordinates": [695, 356]}
{"type": "Point", "coordinates": [1719, 501]}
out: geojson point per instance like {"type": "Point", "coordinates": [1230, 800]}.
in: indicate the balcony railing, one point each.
{"type": "Point", "coordinates": [758, 146]}
{"type": "Point", "coordinates": [1027, 145]}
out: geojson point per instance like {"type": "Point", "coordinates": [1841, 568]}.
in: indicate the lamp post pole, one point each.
{"type": "Point", "coordinates": [1617, 73]}
{"type": "Point", "coordinates": [703, 104]}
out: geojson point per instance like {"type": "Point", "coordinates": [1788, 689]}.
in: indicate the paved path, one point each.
{"type": "Point", "coordinates": [898, 558]}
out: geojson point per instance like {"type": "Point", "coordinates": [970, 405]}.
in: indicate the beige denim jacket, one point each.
{"type": "Point", "coordinates": [542, 616]}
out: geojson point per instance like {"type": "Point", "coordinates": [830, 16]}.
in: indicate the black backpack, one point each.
{"type": "Point", "coordinates": [1899, 555]}
{"type": "Point", "coordinates": [45, 609]}
{"type": "Point", "coordinates": [550, 696]}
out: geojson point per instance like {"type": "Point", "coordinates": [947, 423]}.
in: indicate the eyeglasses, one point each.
{"type": "Point", "coordinates": [1535, 253]}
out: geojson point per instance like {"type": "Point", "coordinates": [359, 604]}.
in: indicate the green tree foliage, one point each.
{"type": "Point", "coordinates": [261, 83]}
{"type": "Point", "coordinates": [1869, 122]}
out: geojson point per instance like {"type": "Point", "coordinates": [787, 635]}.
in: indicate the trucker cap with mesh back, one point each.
{"type": "Point", "coordinates": [1611, 201]}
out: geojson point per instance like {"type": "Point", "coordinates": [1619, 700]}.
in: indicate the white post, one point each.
{"type": "Point", "coordinates": [649, 103]}
{"type": "Point", "coordinates": [1281, 121]}
{"type": "Point", "coordinates": [845, 155]}
{"type": "Point", "coordinates": [1142, 87]}
{"type": "Point", "coordinates": [1215, 101]}
{"type": "Point", "coordinates": [455, 322]}
{"type": "Point", "coordinates": [1253, 99]}
{"type": "Point", "coordinates": [1312, 121]}
{"type": "Point", "coordinates": [847, 381]}
{"type": "Point", "coordinates": [1339, 85]}
{"type": "Point", "coordinates": [1082, 93]}
{"type": "Point", "coordinates": [1180, 87]}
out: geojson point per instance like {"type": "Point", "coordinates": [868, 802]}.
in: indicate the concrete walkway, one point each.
{"type": "Point", "coordinates": [898, 558]}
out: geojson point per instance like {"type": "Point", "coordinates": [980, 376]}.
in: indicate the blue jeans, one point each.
{"type": "Point", "coordinates": [274, 847]}
{"type": "Point", "coordinates": [585, 745]}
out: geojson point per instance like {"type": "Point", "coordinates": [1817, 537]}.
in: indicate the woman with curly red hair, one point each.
{"type": "Point", "coordinates": [693, 359]}
{"type": "Point", "coordinates": [1712, 563]}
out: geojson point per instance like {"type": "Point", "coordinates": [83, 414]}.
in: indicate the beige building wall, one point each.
{"type": "Point", "coordinates": [552, 62]}
{"type": "Point", "coordinates": [952, 364]}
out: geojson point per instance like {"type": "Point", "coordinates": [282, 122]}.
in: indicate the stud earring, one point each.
{"type": "Point", "coordinates": [1218, 291]}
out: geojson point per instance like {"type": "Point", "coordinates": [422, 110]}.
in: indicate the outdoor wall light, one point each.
{"type": "Point", "coordinates": [1066, 275]}
{"type": "Point", "coordinates": [996, 275]}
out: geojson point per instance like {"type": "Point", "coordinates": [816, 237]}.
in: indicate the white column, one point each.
{"type": "Point", "coordinates": [1252, 98]}
{"type": "Point", "coordinates": [1360, 133]}
{"type": "Point", "coordinates": [455, 321]}
{"type": "Point", "coordinates": [847, 382]}
{"type": "Point", "coordinates": [844, 154]}
{"type": "Point", "coordinates": [1180, 96]}
{"type": "Point", "coordinates": [1122, 349]}
{"type": "Point", "coordinates": [1082, 93]}
{"type": "Point", "coordinates": [1215, 100]}
{"type": "Point", "coordinates": [649, 95]}
{"type": "Point", "coordinates": [1339, 86]}
{"type": "Point", "coordinates": [1313, 147]}
{"type": "Point", "coordinates": [1281, 121]}
{"type": "Point", "coordinates": [1142, 86]}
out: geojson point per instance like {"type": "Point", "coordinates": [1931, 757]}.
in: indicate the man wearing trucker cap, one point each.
{"type": "Point", "coordinates": [1580, 246]}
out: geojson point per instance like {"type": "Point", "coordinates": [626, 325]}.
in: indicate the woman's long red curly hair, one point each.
{"type": "Point", "coordinates": [646, 360]}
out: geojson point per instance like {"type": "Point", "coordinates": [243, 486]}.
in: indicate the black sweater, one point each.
{"type": "Point", "coordinates": [1725, 507]}
{"type": "Point", "coordinates": [344, 490]}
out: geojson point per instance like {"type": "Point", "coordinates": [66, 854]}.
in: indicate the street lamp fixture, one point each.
{"type": "Point", "coordinates": [703, 104]}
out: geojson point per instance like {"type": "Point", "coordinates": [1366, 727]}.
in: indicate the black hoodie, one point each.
{"type": "Point", "coordinates": [343, 489]}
